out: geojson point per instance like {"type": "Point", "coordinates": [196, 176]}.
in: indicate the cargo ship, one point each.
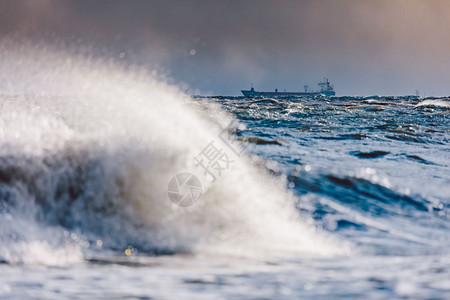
{"type": "Point", "coordinates": [326, 89]}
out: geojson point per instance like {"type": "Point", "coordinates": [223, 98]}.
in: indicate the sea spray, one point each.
{"type": "Point", "coordinates": [87, 150]}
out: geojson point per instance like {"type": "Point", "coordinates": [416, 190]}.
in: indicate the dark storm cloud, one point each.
{"type": "Point", "coordinates": [365, 47]}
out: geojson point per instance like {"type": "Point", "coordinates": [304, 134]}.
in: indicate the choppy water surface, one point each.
{"type": "Point", "coordinates": [330, 198]}
{"type": "Point", "coordinates": [373, 170]}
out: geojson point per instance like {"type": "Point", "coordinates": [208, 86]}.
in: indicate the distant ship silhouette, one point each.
{"type": "Point", "coordinates": [326, 89]}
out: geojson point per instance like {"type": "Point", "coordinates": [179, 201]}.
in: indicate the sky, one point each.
{"type": "Point", "coordinates": [383, 47]}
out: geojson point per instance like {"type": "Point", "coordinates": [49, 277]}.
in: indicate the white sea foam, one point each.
{"type": "Point", "coordinates": [439, 103]}
{"type": "Point", "coordinates": [89, 147]}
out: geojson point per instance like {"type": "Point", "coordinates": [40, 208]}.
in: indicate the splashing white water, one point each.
{"type": "Point", "coordinates": [438, 103]}
{"type": "Point", "coordinates": [89, 147]}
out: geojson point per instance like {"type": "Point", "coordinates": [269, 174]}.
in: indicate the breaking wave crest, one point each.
{"type": "Point", "coordinates": [444, 103]}
{"type": "Point", "coordinates": [87, 150]}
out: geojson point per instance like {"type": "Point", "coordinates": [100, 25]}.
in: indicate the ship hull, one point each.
{"type": "Point", "coordinates": [252, 94]}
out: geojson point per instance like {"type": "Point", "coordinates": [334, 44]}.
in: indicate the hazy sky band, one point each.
{"type": "Point", "coordinates": [364, 47]}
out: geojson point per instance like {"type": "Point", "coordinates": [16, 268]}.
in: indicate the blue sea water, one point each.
{"type": "Point", "coordinates": [374, 170]}
{"type": "Point", "coordinates": [318, 198]}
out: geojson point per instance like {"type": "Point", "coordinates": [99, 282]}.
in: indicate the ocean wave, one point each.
{"type": "Point", "coordinates": [87, 152]}
{"type": "Point", "coordinates": [366, 208]}
{"type": "Point", "coordinates": [443, 103]}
